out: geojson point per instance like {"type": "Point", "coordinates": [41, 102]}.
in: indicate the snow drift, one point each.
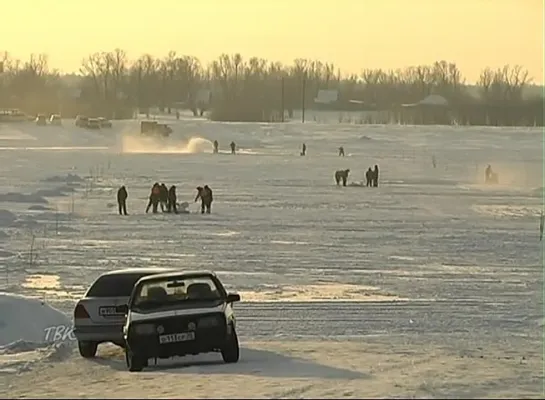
{"type": "Point", "coordinates": [26, 319]}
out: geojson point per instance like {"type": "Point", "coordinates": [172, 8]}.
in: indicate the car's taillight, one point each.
{"type": "Point", "coordinates": [81, 312]}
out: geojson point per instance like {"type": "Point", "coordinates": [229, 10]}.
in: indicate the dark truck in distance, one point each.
{"type": "Point", "coordinates": [153, 128]}
{"type": "Point", "coordinates": [176, 314]}
{"type": "Point", "coordinates": [99, 315]}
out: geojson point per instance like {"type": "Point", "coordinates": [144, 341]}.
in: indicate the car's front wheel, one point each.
{"type": "Point", "coordinates": [231, 351]}
{"type": "Point", "coordinates": [134, 362]}
{"type": "Point", "coordinates": [87, 349]}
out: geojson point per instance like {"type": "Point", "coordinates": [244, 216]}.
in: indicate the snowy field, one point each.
{"type": "Point", "coordinates": [427, 286]}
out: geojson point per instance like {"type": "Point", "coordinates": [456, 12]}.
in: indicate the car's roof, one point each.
{"type": "Point", "coordinates": [174, 274]}
{"type": "Point", "coordinates": [148, 270]}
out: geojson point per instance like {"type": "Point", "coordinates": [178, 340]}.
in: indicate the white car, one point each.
{"type": "Point", "coordinates": [179, 313]}
{"type": "Point", "coordinates": [55, 119]}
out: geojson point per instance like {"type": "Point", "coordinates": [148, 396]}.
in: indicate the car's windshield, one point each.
{"type": "Point", "coordinates": [167, 291]}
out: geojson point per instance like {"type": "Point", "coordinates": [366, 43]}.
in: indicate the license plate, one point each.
{"type": "Point", "coordinates": [110, 312]}
{"type": "Point", "coordinates": [177, 337]}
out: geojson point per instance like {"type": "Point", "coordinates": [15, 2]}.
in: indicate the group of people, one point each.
{"type": "Point", "coordinates": [233, 146]}
{"type": "Point", "coordinates": [166, 198]}
{"type": "Point", "coordinates": [371, 177]}
{"type": "Point", "coordinates": [162, 196]}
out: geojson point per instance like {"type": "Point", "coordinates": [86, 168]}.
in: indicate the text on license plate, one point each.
{"type": "Point", "coordinates": [110, 311]}
{"type": "Point", "coordinates": [177, 337]}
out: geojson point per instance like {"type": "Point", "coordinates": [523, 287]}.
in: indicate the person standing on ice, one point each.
{"type": "Point", "coordinates": [341, 151]}
{"type": "Point", "coordinates": [369, 177]}
{"type": "Point", "coordinates": [375, 176]}
{"type": "Point", "coordinates": [488, 173]}
{"type": "Point", "coordinates": [154, 198]}
{"type": "Point", "coordinates": [205, 195]}
{"type": "Point", "coordinates": [163, 197]}
{"type": "Point", "coordinates": [122, 200]}
{"type": "Point", "coordinates": [304, 150]}
{"type": "Point", "coordinates": [216, 147]}
{"type": "Point", "coordinates": [233, 148]}
{"type": "Point", "coordinates": [171, 206]}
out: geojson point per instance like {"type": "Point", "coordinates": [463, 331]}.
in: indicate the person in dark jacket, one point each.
{"type": "Point", "coordinates": [163, 197]}
{"type": "Point", "coordinates": [171, 206]}
{"type": "Point", "coordinates": [233, 148]}
{"type": "Point", "coordinates": [369, 177]}
{"type": "Point", "coordinates": [206, 197]}
{"type": "Point", "coordinates": [304, 150]}
{"type": "Point", "coordinates": [375, 176]}
{"type": "Point", "coordinates": [122, 200]}
{"type": "Point", "coordinates": [216, 147]}
{"type": "Point", "coordinates": [341, 151]}
{"type": "Point", "coordinates": [154, 197]}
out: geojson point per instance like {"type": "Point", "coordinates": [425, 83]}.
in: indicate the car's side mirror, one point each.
{"type": "Point", "coordinates": [232, 297]}
{"type": "Point", "coordinates": [124, 308]}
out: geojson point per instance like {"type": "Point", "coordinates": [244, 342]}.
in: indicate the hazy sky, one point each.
{"type": "Point", "coordinates": [353, 34]}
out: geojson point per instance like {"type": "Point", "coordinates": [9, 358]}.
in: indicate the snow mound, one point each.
{"type": "Point", "coordinates": [38, 208]}
{"type": "Point", "coordinates": [6, 254]}
{"type": "Point", "coordinates": [56, 192]}
{"type": "Point", "coordinates": [6, 218]}
{"type": "Point", "coordinates": [70, 178]}
{"type": "Point", "coordinates": [15, 197]}
{"type": "Point", "coordinates": [26, 319]}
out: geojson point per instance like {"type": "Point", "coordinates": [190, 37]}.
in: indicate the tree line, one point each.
{"type": "Point", "coordinates": [253, 89]}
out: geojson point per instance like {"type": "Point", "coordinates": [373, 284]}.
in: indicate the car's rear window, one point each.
{"type": "Point", "coordinates": [114, 285]}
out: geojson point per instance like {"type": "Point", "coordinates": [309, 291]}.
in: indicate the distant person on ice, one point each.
{"type": "Point", "coordinates": [122, 200]}
{"type": "Point", "coordinates": [163, 197]}
{"type": "Point", "coordinates": [154, 198]}
{"type": "Point", "coordinates": [375, 176]}
{"type": "Point", "coordinates": [341, 151]}
{"type": "Point", "coordinates": [304, 150]}
{"type": "Point", "coordinates": [434, 161]}
{"type": "Point", "coordinates": [171, 205]}
{"type": "Point", "coordinates": [341, 176]}
{"type": "Point", "coordinates": [206, 197]}
{"type": "Point", "coordinates": [369, 177]}
{"type": "Point", "coordinates": [487, 173]}
{"type": "Point", "coordinates": [216, 147]}
{"type": "Point", "coordinates": [233, 148]}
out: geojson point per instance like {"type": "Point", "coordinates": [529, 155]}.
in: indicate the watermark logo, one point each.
{"type": "Point", "coordinates": [59, 333]}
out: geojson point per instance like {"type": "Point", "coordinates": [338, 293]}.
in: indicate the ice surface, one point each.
{"type": "Point", "coordinates": [428, 286]}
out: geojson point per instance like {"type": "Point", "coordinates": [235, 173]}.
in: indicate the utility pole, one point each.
{"type": "Point", "coordinates": [303, 97]}
{"type": "Point", "coordinates": [282, 101]}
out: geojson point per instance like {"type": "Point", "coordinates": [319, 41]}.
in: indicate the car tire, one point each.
{"type": "Point", "coordinates": [87, 349]}
{"type": "Point", "coordinates": [231, 350]}
{"type": "Point", "coordinates": [134, 363]}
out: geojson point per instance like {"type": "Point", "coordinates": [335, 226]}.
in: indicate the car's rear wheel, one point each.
{"type": "Point", "coordinates": [134, 362]}
{"type": "Point", "coordinates": [87, 349]}
{"type": "Point", "coordinates": [231, 351]}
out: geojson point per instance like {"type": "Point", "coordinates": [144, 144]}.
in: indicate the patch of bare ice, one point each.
{"type": "Point", "coordinates": [319, 292]}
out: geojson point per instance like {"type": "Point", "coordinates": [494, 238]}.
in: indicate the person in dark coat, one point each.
{"type": "Point", "coordinates": [341, 151]}
{"type": "Point", "coordinates": [206, 197]}
{"type": "Point", "coordinates": [122, 200]}
{"type": "Point", "coordinates": [216, 147]}
{"type": "Point", "coordinates": [154, 197]}
{"type": "Point", "coordinates": [171, 206]}
{"type": "Point", "coordinates": [369, 177]}
{"type": "Point", "coordinates": [304, 150]}
{"type": "Point", "coordinates": [375, 176]}
{"type": "Point", "coordinates": [233, 148]}
{"type": "Point", "coordinates": [163, 197]}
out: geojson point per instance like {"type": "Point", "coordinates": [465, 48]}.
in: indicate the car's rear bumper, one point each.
{"type": "Point", "coordinates": [99, 333]}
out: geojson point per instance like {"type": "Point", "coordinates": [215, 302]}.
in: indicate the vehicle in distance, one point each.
{"type": "Point", "coordinates": [153, 128]}
{"type": "Point", "coordinates": [99, 315]}
{"type": "Point", "coordinates": [93, 123]}
{"type": "Point", "coordinates": [179, 313]}
{"type": "Point", "coordinates": [55, 119]}
{"type": "Point", "coordinates": [104, 123]}
{"type": "Point", "coordinates": [81, 121]}
{"type": "Point", "coordinates": [41, 120]}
